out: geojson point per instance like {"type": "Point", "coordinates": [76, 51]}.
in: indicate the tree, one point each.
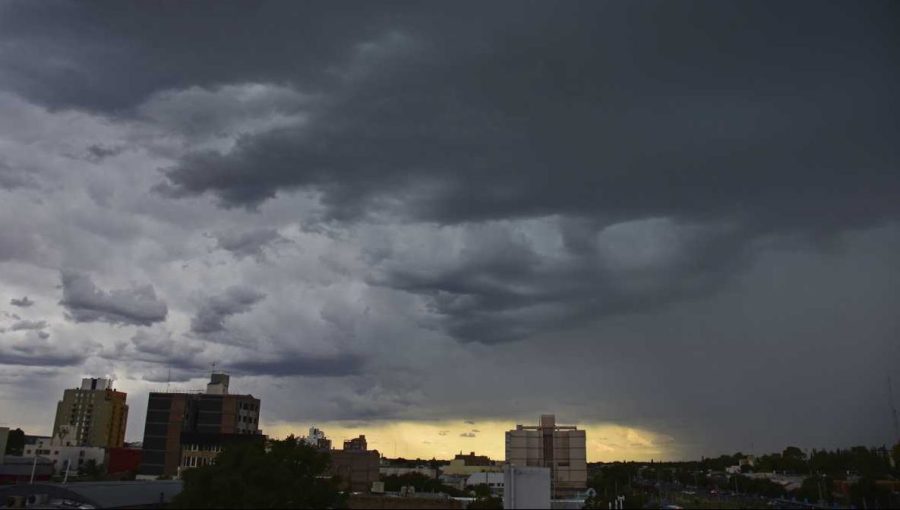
{"type": "Point", "coordinates": [90, 470]}
{"type": "Point", "coordinates": [290, 475]}
{"type": "Point", "coordinates": [486, 502]}
{"type": "Point", "coordinates": [422, 483]}
{"type": "Point", "coordinates": [15, 444]}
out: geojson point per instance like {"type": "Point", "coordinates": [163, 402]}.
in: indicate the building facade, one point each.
{"type": "Point", "coordinates": [562, 449]}
{"type": "Point", "coordinates": [465, 465]}
{"type": "Point", "coordinates": [356, 466]}
{"type": "Point", "coordinates": [357, 444]}
{"type": "Point", "coordinates": [123, 461]}
{"type": "Point", "coordinates": [357, 469]}
{"type": "Point", "coordinates": [64, 453]}
{"type": "Point", "coordinates": [95, 413]}
{"type": "Point", "coordinates": [526, 487]}
{"type": "Point", "coordinates": [317, 439]}
{"type": "Point", "coordinates": [174, 416]}
{"type": "Point", "coordinates": [201, 449]}
{"type": "Point", "coordinates": [494, 481]}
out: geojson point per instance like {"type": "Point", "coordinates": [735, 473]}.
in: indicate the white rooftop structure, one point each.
{"type": "Point", "coordinates": [89, 383]}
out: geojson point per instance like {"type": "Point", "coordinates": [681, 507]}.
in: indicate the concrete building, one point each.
{"type": "Point", "coordinates": [64, 452]}
{"type": "Point", "coordinates": [355, 465]}
{"type": "Point", "coordinates": [357, 469]}
{"type": "Point", "coordinates": [562, 449]}
{"type": "Point", "coordinates": [19, 470]}
{"type": "Point", "coordinates": [214, 412]}
{"type": "Point", "coordinates": [95, 412]}
{"type": "Point", "coordinates": [123, 461]}
{"type": "Point", "coordinates": [465, 465]}
{"type": "Point", "coordinates": [526, 487]}
{"type": "Point", "coordinates": [317, 439]}
{"type": "Point", "coordinates": [357, 443]}
{"type": "Point", "coordinates": [494, 481]}
{"type": "Point", "coordinates": [388, 470]}
{"type": "Point", "coordinates": [201, 449]}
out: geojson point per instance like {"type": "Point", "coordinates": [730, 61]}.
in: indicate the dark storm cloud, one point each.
{"type": "Point", "coordinates": [248, 243]}
{"type": "Point", "coordinates": [12, 177]}
{"type": "Point", "coordinates": [23, 302]}
{"type": "Point", "coordinates": [35, 350]}
{"type": "Point", "coordinates": [84, 302]}
{"type": "Point", "coordinates": [502, 289]}
{"type": "Point", "coordinates": [295, 364]}
{"type": "Point", "coordinates": [159, 356]}
{"type": "Point", "coordinates": [25, 325]}
{"type": "Point", "coordinates": [97, 152]}
{"type": "Point", "coordinates": [212, 315]}
{"type": "Point", "coordinates": [778, 115]}
{"type": "Point", "coordinates": [165, 347]}
{"type": "Point", "coordinates": [759, 125]}
{"type": "Point", "coordinates": [40, 360]}
{"type": "Point", "coordinates": [775, 120]}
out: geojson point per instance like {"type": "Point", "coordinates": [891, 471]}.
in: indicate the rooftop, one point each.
{"type": "Point", "coordinates": [101, 494]}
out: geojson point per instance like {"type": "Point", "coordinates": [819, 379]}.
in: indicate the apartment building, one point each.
{"type": "Point", "coordinates": [562, 449]}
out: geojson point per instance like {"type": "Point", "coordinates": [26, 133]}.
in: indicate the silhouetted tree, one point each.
{"type": "Point", "coordinates": [15, 444]}
{"type": "Point", "coordinates": [290, 475]}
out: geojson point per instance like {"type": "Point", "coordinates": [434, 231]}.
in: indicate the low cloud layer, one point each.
{"type": "Point", "coordinates": [213, 313]}
{"type": "Point", "coordinates": [22, 302]}
{"type": "Point", "coordinates": [84, 302]}
{"type": "Point", "coordinates": [250, 243]}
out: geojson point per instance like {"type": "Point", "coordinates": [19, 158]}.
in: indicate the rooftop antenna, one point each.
{"type": "Point", "coordinates": [168, 379]}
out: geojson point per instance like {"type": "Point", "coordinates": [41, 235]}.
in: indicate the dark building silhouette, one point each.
{"type": "Point", "coordinates": [173, 418]}
{"type": "Point", "coordinates": [356, 444]}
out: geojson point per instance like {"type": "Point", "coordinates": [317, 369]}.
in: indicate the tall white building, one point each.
{"type": "Point", "coordinates": [562, 449]}
{"type": "Point", "coordinates": [317, 439]}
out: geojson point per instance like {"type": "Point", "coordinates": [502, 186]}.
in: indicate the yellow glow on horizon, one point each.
{"type": "Point", "coordinates": [443, 439]}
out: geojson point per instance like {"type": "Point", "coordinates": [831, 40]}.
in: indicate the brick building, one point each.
{"type": "Point", "coordinates": [174, 417]}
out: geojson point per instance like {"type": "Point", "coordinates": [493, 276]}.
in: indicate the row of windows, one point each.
{"type": "Point", "coordinates": [202, 448]}
{"type": "Point", "coordinates": [197, 461]}
{"type": "Point", "coordinates": [47, 452]}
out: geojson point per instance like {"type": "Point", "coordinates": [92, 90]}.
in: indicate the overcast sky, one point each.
{"type": "Point", "coordinates": [675, 222]}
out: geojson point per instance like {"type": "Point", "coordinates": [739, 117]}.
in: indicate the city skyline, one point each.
{"type": "Point", "coordinates": [674, 225]}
